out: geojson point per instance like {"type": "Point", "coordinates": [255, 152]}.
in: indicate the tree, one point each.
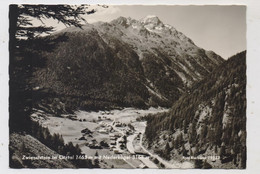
{"type": "Point", "coordinates": [206, 165]}
{"type": "Point", "coordinates": [243, 158]}
{"type": "Point", "coordinates": [24, 46]}
{"type": "Point", "coordinates": [167, 148]}
{"type": "Point", "coordinates": [21, 26]}
{"type": "Point", "coordinates": [193, 133]}
{"type": "Point", "coordinates": [198, 164]}
{"type": "Point", "coordinates": [167, 151]}
{"type": "Point", "coordinates": [185, 126]}
{"type": "Point", "coordinates": [96, 161]}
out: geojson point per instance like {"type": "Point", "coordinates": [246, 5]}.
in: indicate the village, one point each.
{"type": "Point", "coordinates": [116, 133]}
{"type": "Point", "coordinates": [117, 140]}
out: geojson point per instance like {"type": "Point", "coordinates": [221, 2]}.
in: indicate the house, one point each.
{"type": "Point", "coordinates": [113, 138]}
{"type": "Point", "coordinates": [117, 135]}
{"type": "Point", "coordinates": [117, 151]}
{"type": "Point", "coordinates": [113, 143]}
{"type": "Point", "coordinates": [103, 131]}
{"type": "Point", "coordinates": [121, 140]}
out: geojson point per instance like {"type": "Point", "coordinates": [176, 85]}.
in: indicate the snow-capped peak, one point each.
{"type": "Point", "coordinates": [151, 16]}
{"type": "Point", "coordinates": [151, 19]}
{"type": "Point", "coordinates": [126, 22]}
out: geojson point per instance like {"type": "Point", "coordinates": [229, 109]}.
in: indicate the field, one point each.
{"type": "Point", "coordinates": [114, 133]}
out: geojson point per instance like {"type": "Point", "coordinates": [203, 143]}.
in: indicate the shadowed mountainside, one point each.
{"type": "Point", "coordinates": [124, 63]}
{"type": "Point", "coordinates": [209, 120]}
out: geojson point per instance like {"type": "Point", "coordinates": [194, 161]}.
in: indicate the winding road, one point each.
{"type": "Point", "coordinates": [146, 161]}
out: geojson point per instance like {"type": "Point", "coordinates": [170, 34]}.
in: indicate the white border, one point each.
{"type": "Point", "coordinates": [253, 65]}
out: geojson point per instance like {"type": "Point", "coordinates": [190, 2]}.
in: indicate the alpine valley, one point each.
{"type": "Point", "coordinates": [133, 87]}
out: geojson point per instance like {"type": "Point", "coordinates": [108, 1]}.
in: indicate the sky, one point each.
{"type": "Point", "coordinates": [221, 29]}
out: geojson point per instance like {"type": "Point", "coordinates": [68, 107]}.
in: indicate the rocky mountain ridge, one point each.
{"type": "Point", "coordinates": [126, 62]}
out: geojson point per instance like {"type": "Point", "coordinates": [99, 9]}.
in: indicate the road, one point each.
{"type": "Point", "coordinates": [149, 163]}
{"type": "Point", "coordinates": [131, 149]}
{"type": "Point", "coordinates": [129, 143]}
{"type": "Point", "coordinates": [164, 162]}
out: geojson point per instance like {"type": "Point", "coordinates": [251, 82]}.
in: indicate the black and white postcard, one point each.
{"type": "Point", "coordinates": [127, 86]}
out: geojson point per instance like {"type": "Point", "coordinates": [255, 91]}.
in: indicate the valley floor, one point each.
{"type": "Point", "coordinates": [114, 136]}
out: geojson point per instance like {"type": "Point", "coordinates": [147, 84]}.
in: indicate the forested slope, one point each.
{"type": "Point", "coordinates": [124, 63]}
{"type": "Point", "coordinates": [210, 119]}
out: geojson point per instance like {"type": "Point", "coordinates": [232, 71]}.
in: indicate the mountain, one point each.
{"type": "Point", "coordinates": [210, 120]}
{"type": "Point", "coordinates": [126, 62]}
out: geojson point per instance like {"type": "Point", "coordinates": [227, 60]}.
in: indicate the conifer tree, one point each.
{"type": "Point", "coordinates": [22, 36]}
